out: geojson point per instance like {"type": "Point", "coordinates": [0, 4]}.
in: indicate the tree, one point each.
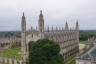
{"type": "Point", "coordinates": [45, 51]}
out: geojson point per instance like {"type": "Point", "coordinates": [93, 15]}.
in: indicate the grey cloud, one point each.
{"type": "Point", "coordinates": [56, 12]}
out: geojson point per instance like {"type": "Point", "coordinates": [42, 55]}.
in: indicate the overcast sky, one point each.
{"type": "Point", "coordinates": [55, 12]}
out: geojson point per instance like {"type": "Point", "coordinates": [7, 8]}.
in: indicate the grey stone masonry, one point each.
{"type": "Point", "coordinates": [67, 38]}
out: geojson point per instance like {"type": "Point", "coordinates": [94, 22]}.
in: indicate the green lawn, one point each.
{"type": "Point", "coordinates": [12, 53]}
{"type": "Point", "coordinates": [83, 42]}
{"type": "Point", "coordinates": [81, 46]}
{"type": "Point", "coordinates": [73, 61]}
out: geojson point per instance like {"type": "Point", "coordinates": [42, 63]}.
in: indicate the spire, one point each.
{"type": "Point", "coordinates": [23, 22]}
{"type": "Point", "coordinates": [41, 13]}
{"type": "Point", "coordinates": [23, 13]}
{"type": "Point", "coordinates": [41, 22]}
{"type": "Point", "coordinates": [24, 46]}
{"type": "Point", "coordinates": [66, 26]}
{"type": "Point", "coordinates": [77, 26]}
{"type": "Point", "coordinates": [23, 17]}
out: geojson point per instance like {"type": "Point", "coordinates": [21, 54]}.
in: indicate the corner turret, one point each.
{"type": "Point", "coordinates": [66, 26]}
{"type": "Point", "coordinates": [24, 48]}
{"type": "Point", "coordinates": [41, 22]}
{"type": "Point", "coordinates": [77, 26]}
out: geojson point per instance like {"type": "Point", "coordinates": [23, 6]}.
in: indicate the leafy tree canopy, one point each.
{"type": "Point", "coordinates": [45, 51]}
{"type": "Point", "coordinates": [85, 35]}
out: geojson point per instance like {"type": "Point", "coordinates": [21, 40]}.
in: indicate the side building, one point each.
{"type": "Point", "coordinates": [68, 39]}
{"type": "Point", "coordinates": [90, 43]}
{"type": "Point", "coordinates": [88, 57]}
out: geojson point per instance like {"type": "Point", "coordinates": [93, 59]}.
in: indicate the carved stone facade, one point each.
{"type": "Point", "coordinates": [4, 60]}
{"type": "Point", "coordinates": [90, 43]}
{"type": "Point", "coordinates": [67, 38]}
{"type": "Point", "coordinates": [12, 42]}
{"type": "Point", "coordinates": [23, 40]}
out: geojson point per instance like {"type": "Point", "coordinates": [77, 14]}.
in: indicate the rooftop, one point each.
{"type": "Point", "coordinates": [89, 54]}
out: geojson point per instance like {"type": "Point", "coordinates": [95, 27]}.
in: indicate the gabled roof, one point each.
{"type": "Point", "coordinates": [89, 54]}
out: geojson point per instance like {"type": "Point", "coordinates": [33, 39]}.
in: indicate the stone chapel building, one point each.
{"type": "Point", "coordinates": [67, 38]}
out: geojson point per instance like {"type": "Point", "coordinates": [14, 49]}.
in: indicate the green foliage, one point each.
{"type": "Point", "coordinates": [12, 53]}
{"type": "Point", "coordinates": [7, 34]}
{"type": "Point", "coordinates": [45, 51]}
{"type": "Point", "coordinates": [86, 35]}
{"type": "Point", "coordinates": [72, 61]}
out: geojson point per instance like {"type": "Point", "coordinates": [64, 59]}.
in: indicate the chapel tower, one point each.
{"type": "Point", "coordinates": [41, 22]}
{"type": "Point", "coordinates": [77, 32]}
{"type": "Point", "coordinates": [23, 39]}
{"type": "Point", "coordinates": [77, 26]}
{"type": "Point", "coordinates": [66, 26]}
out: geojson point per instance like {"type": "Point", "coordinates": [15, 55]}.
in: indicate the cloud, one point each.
{"type": "Point", "coordinates": [56, 12]}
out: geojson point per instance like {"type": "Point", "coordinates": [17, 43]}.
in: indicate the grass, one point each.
{"type": "Point", "coordinates": [83, 42]}
{"type": "Point", "coordinates": [81, 46]}
{"type": "Point", "coordinates": [72, 61]}
{"type": "Point", "coordinates": [12, 53]}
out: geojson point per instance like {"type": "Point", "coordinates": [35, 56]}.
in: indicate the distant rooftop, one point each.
{"type": "Point", "coordinates": [89, 54]}
{"type": "Point", "coordinates": [7, 38]}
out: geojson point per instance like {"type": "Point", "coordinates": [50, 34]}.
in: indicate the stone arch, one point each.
{"type": "Point", "coordinates": [3, 60]}
{"type": "Point", "coordinates": [7, 60]}
{"type": "Point", "coordinates": [30, 45]}
{"type": "Point", "coordinates": [12, 61]}
{"type": "Point", "coordinates": [18, 62]}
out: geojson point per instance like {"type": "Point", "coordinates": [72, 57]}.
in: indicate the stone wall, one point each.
{"type": "Point", "coordinates": [67, 40]}
{"type": "Point", "coordinates": [11, 43]}
{"type": "Point", "coordinates": [83, 61]}
{"type": "Point", "coordinates": [10, 60]}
